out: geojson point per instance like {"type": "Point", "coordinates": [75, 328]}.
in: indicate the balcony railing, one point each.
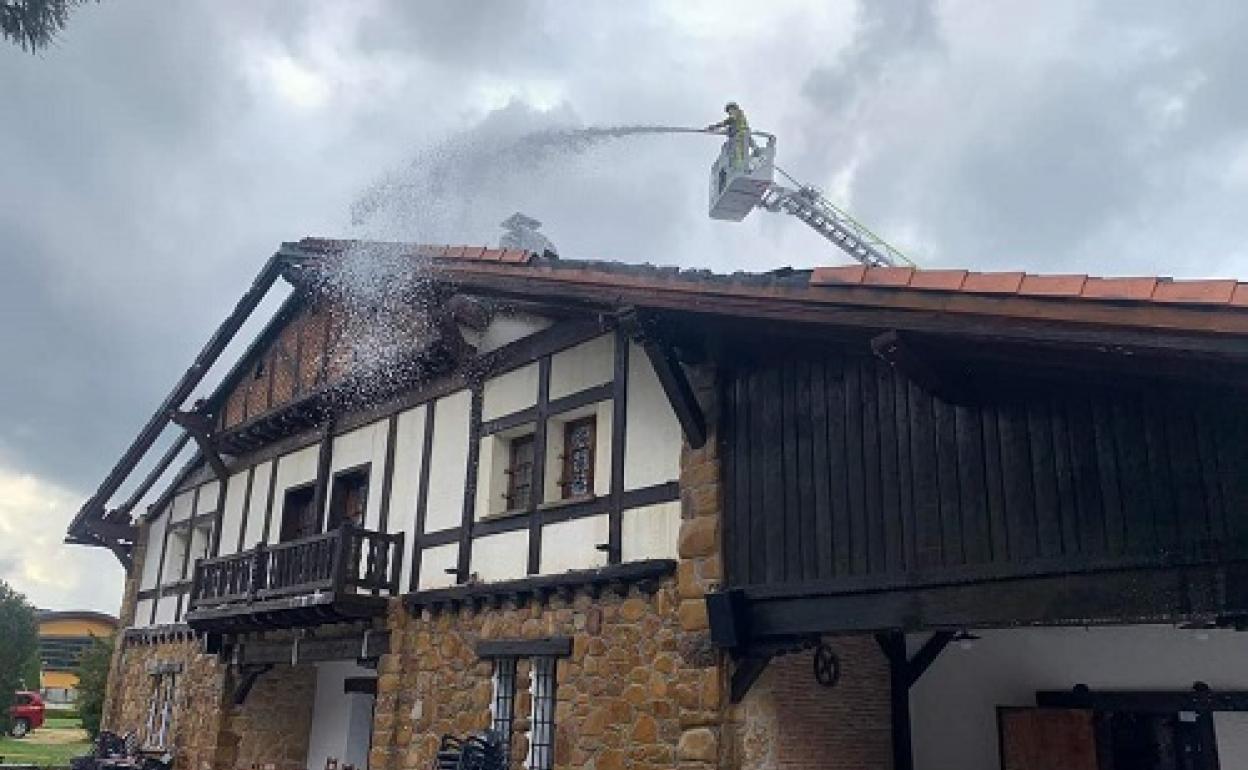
{"type": "Point", "coordinates": [347, 560]}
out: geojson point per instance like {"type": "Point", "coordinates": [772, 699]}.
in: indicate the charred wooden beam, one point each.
{"type": "Point", "coordinates": [199, 426]}
{"type": "Point", "coordinates": [895, 350]}
{"type": "Point", "coordinates": [249, 675]}
{"type": "Point", "coordinates": [157, 471]}
{"type": "Point", "coordinates": [94, 506]}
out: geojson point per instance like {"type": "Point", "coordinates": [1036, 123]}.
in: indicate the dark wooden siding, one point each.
{"type": "Point", "coordinates": [842, 470]}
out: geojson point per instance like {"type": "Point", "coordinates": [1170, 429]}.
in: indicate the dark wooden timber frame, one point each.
{"type": "Point", "coordinates": [86, 521]}
{"type": "Point", "coordinates": [555, 646]}
{"type": "Point", "coordinates": [1201, 698]}
{"type": "Point", "coordinates": [539, 514]}
{"type": "Point", "coordinates": [904, 671]}
{"type": "Point", "coordinates": [646, 330]}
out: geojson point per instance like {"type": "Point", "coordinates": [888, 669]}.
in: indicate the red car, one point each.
{"type": "Point", "coordinates": [26, 713]}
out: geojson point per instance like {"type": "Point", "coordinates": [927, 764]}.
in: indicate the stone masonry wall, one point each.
{"type": "Point", "coordinates": [788, 721]}
{"type": "Point", "coordinates": [129, 599]}
{"type": "Point", "coordinates": [197, 707]}
{"type": "Point", "coordinates": [638, 691]}
{"type": "Point", "coordinates": [269, 731]}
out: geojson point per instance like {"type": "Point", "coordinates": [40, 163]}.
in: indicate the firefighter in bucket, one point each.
{"type": "Point", "coordinates": [737, 127]}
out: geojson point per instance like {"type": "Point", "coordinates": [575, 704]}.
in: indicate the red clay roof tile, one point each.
{"type": "Point", "coordinates": [837, 275]}
{"type": "Point", "coordinates": [1119, 288]}
{"type": "Point", "coordinates": [1239, 297]}
{"type": "Point", "coordinates": [938, 280]}
{"type": "Point", "coordinates": [516, 256]}
{"type": "Point", "coordinates": [992, 283]}
{"type": "Point", "coordinates": [1217, 292]}
{"type": "Point", "coordinates": [888, 276]}
{"type": "Point", "coordinates": [1052, 285]}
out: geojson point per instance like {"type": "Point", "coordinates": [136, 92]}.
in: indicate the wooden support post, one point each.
{"type": "Point", "coordinates": [200, 428]}
{"type": "Point", "coordinates": [323, 460]}
{"type": "Point", "coordinates": [671, 375]}
{"type": "Point", "coordinates": [903, 673]}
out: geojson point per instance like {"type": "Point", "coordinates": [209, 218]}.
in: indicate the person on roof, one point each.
{"type": "Point", "coordinates": [738, 129]}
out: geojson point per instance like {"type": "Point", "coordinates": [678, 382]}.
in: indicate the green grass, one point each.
{"type": "Point", "coordinates": [45, 747]}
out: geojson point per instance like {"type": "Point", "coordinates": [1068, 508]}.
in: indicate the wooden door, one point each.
{"type": "Point", "coordinates": [1047, 739]}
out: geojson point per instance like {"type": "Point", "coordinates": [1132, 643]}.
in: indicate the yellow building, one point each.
{"type": "Point", "coordinates": [63, 636]}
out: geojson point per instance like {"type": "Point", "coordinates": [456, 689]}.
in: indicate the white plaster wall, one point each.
{"type": "Point", "coordinates": [569, 545]}
{"type": "Point", "coordinates": [602, 412]}
{"type": "Point", "coordinates": [447, 474]}
{"type": "Point", "coordinates": [509, 392]}
{"type": "Point", "coordinates": [506, 329]}
{"type": "Point", "coordinates": [292, 470]}
{"type": "Point", "coordinates": [175, 552]}
{"type": "Point", "coordinates": [152, 556]}
{"type": "Point", "coordinates": [434, 563]}
{"type": "Point", "coordinates": [256, 509]}
{"type": "Point", "coordinates": [166, 610]}
{"type": "Point", "coordinates": [337, 718]}
{"type": "Point", "coordinates": [142, 613]}
{"type": "Point", "coordinates": [201, 542]}
{"type": "Point", "coordinates": [650, 532]}
{"type": "Point", "coordinates": [1231, 729]}
{"type": "Point", "coordinates": [183, 505]}
{"type": "Point", "coordinates": [582, 366]}
{"type": "Point", "coordinates": [207, 502]}
{"type": "Point", "coordinates": [363, 445]}
{"type": "Point", "coordinates": [652, 439]}
{"type": "Point", "coordinates": [409, 443]}
{"type": "Point", "coordinates": [232, 516]}
{"type": "Point", "coordinates": [953, 706]}
{"type": "Point", "coordinates": [501, 557]}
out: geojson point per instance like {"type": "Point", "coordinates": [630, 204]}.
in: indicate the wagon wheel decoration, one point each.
{"type": "Point", "coordinates": [827, 665]}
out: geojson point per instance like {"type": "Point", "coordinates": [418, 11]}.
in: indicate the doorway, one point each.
{"type": "Point", "coordinates": [1100, 739]}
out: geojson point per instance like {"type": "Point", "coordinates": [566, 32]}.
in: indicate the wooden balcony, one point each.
{"type": "Point", "coordinates": [345, 574]}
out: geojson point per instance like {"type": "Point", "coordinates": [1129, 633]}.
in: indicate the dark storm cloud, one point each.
{"type": "Point", "coordinates": [1094, 139]}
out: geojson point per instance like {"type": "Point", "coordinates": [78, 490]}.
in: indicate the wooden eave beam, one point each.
{"type": "Point", "coordinates": [199, 427]}
{"type": "Point", "coordinates": [644, 330]}
{"type": "Point", "coordinates": [894, 349]}
{"type": "Point", "coordinates": [158, 470]}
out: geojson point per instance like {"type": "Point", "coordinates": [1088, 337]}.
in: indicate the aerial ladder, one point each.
{"type": "Point", "coordinates": [740, 186]}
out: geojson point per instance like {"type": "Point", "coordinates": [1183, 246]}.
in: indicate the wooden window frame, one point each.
{"type": "Point", "coordinates": [511, 493]}
{"type": "Point", "coordinates": [333, 517]}
{"type": "Point", "coordinates": [309, 515]}
{"type": "Point", "coordinates": [565, 478]}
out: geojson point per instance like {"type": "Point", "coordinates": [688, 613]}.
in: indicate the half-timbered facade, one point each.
{"type": "Point", "coordinates": [615, 512]}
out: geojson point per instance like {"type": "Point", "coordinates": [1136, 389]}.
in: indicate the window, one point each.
{"type": "Point", "coordinates": [520, 473]}
{"type": "Point", "coordinates": [503, 706]}
{"type": "Point", "coordinates": [349, 499]}
{"type": "Point", "coordinates": [542, 737]}
{"type": "Point", "coordinates": [298, 518]}
{"type": "Point", "coordinates": [62, 653]}
{"type": "Point", "coordinates": [578, 458]}
{"type": "Point", "coordinates": [160, 712]}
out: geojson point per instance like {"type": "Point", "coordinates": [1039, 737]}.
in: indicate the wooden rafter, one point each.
{"type": "Point", "coordinates": [199, 427]}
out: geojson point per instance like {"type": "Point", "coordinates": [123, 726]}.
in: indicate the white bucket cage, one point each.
{"type": "Point", "coordinates": [737, 188]}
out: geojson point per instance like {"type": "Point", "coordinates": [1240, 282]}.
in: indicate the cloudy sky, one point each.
{"type": "Point", "coordinates": [159, 152]}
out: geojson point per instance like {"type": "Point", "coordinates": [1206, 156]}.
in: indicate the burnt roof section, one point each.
{"type": "Point", "coordinates": [1159, 315]}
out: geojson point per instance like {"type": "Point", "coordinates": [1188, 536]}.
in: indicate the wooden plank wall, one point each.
{"type": "Point", "coordinates": [839, 469]}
